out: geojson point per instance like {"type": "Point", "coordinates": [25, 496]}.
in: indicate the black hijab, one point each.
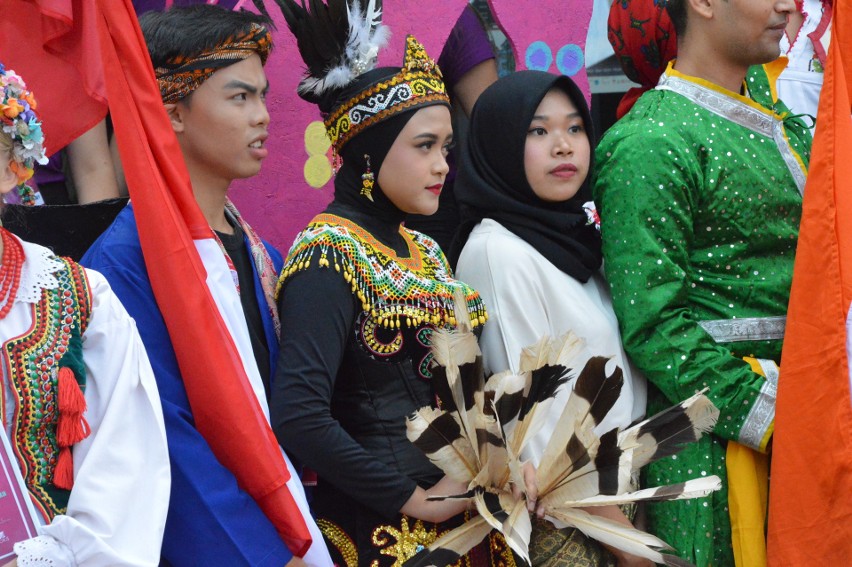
{"type": "Point", "coordinates": [492, 182]}
{"type": "Point", "coordinates": [380, 216]}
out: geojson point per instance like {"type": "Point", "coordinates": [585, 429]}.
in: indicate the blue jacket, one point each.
{"type": "Point", "coordinates": [211, 521]}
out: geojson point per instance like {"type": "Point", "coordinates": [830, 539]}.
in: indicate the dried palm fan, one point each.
{"type": "Point", "coordinates": [482, 426]}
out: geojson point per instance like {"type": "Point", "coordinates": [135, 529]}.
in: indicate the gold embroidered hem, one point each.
{"type": "Point", "coordinates": [403, 543]}
{"type": "Point", "coordinates": [337, 538]}
{"type": "Point", "coordinates": [391, 545]}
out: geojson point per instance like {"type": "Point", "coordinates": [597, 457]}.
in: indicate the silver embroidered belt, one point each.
{"type": "Point", "coordinates": [751, 329]}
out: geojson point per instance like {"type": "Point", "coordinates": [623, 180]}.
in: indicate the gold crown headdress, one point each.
{"type": "Point", "coordinates": [339, 42]}
{"type": "Point", "coordinates": [418, 83]}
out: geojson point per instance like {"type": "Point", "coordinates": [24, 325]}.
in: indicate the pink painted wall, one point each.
{"type": "Point", "coordinates": [547, 35]}
{"type": "Point", "coordinates": [280, 202]}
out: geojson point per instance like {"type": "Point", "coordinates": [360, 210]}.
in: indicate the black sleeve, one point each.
{"type": "Point", "coordinates": [318, 311]}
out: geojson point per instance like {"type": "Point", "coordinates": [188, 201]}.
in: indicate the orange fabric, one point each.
{"type": "Point", "coordinates": [53, 44]}
{"type": "Point", "coordinates": [809, 506]}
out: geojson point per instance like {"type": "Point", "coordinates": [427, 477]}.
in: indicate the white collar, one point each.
{"type": "Point", "coordinates": [37, 273]}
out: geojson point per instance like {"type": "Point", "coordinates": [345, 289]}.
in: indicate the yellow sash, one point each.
{"type": "Point", "coordinates": [748, 491]}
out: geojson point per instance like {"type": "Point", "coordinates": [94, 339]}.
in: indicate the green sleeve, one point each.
{"type": "Point", "coordinates": [648, 185]}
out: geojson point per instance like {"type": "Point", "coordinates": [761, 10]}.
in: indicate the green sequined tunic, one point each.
{"type": "Point", "coordinates": [699, 191]}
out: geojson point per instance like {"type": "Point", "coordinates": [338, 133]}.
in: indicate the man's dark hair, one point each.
{"type": "Point", "coordinates": [677, 13]}
{"type": "Point", "coordinates": [190, 30]}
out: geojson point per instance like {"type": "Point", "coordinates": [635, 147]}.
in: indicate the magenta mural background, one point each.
{"type": "Point", "coordinates": [280, 201]}
{"type": "Point", "coordinates": [547, 35]}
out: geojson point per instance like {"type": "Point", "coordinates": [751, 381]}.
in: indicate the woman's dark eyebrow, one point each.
{"type": "Point", "coordinates": [545, 117]}
{"type": "Point", "coordinates": [432, 136]}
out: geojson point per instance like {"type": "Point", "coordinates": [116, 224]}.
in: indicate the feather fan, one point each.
{"type": "Point", "coordinates": [483, 426]}
{"type": "Point", "coordinates": [631, 540]}
{"type": "Point", "coordinates": [509, 515]}
{"type": "Point", "coordinates": [449, 548]}
{"type": "Point", "coordinates": [438, 434]}
{"type": "Point", "coordinates": [667, 432]}
{"type": "Point", "coordinates": [695, 488]}
{"type": "Point", "coordinates": [567, 452]}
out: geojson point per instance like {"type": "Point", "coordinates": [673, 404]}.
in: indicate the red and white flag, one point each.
{"type": "Point", "coordinates": [100, 41]}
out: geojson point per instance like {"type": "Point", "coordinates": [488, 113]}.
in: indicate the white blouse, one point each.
{"type": "Point", "coordinates": [117, 509]}
{"type": "Point", "coordinates": [527, 298]}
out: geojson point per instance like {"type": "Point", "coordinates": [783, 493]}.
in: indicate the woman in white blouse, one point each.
{"type": "Point", "coordinates": [530, 245]}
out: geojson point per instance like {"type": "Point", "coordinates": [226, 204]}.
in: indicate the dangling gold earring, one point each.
{"type": "Point", "coordinates": [367, 180]}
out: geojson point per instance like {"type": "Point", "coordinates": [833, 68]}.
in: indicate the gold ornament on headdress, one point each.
{"type": "Point", "coordinates": [419, 83]}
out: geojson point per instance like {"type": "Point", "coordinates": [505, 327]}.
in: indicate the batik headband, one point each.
{"type": "Point", "coordinates": [418, 83]}
{"type": "Point", "coordinates": [182, 75]}
{"type": "Point", "coordinates": [19, 122]}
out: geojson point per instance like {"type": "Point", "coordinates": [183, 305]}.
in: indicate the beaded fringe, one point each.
{"type": "Point", "coordinates": [425, 306]}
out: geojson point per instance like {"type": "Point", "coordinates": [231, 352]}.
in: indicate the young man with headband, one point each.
{"type": "Point", "coordinates": [209, 66]}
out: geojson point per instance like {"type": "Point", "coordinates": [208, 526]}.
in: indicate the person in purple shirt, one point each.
{"type": "Point", "coordinates": [142, 6]}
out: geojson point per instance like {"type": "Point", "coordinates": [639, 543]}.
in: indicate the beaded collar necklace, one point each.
{"type": "Point", "coordinates": [10, 271]}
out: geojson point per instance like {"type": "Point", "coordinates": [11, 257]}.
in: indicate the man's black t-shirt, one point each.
{"type": "Point", "coordinates": [236, 248]}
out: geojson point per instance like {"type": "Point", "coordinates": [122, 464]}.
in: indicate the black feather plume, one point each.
{"type": "Point", "coordinates": [471, 382]}
{"type": "Point", "coordinates": [600, 391]}
{"type": "Point", "coordinates": [332, 36]}
{"type": "Point", "coordinates": [543, 385]}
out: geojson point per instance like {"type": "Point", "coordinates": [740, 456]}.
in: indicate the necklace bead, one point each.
{"type": "Point", "coordinates": [10, 271]}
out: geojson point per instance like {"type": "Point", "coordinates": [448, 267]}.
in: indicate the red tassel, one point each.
{"type": "Point", "coordinates": [71, 427]}
{"type": "Point", "coordinates": [71, 398]}
{"type": "Point", "coordinates": [63, 474]}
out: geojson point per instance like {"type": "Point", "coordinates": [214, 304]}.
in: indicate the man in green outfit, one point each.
{"type": "Point", "coordinates": [700, 193]}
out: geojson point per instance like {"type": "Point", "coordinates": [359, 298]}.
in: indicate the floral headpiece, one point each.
{"type": "Point", "coordinates": [418, 83]}
{"type": "Point", "coordinates": [19, 122]}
